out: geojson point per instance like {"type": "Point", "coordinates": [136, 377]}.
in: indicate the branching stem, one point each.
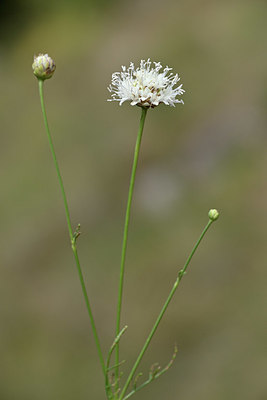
{"type": "Point", "coordinates": [162, 312]}
{"type": "Point", "coordinates": [73, 236]}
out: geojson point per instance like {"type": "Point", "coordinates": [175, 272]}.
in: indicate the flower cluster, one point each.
{"type": "Point", "coordinates": [43, 66]}
{"type": "Point", "coordinates": [146, 86]}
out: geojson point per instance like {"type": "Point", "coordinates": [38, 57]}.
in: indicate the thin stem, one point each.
{"type": "Point", "coordinates": [108, 368]}
{"type": "Point", "coordinates": [152, 376]}
{"type": "Point", "coordinates": [162, 312]}
{"type": "Point", "coordinates": [73, 236]}
{"type": "Point", "coordinates": [126, 228]}
{"type": "Point", "coordinates": [40, 81]}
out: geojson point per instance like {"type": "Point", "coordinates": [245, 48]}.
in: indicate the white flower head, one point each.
{"type": "Point", "coordinates": [43, 66]}
{"type": "Point", "coordinates": [146, 86]}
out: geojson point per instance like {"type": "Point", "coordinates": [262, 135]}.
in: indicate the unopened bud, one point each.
{"type": "Point", "coordinates": [43, 66]}
{"type": "Point", "coordinates": [213, 214]}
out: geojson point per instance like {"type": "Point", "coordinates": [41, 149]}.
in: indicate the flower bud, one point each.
{"type": "Point", "coordinates": [213, 214]}
{"type": "Point", "coordinates": [43, 66]}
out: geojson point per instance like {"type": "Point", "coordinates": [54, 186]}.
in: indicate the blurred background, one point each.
{"type": "Point", "coordinates": [209, 153]}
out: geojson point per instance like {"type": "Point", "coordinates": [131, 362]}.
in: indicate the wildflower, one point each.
{"type": "Point", "coordinates": [43, 66]}
{"type": "Point", "coordinates": [146, 86]}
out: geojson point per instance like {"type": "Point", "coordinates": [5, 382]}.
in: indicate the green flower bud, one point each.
{"type": "Point", "coordinates": [213, 214]}
{"type": "Point", "coordinates": [43, 66]}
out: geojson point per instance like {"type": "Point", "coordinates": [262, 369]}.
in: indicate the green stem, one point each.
{"type": "Point", "coordinates": [72, 235]}
{"type": "Point", "coordinates": [108, 384]}
{"type": "Point", "coordinates": [126, 228]}
{"type": "Point", "coordinates": [162, 312]}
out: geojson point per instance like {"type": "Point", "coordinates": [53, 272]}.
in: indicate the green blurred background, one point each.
{"type": "Point", "coordinates": [209, 153]}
